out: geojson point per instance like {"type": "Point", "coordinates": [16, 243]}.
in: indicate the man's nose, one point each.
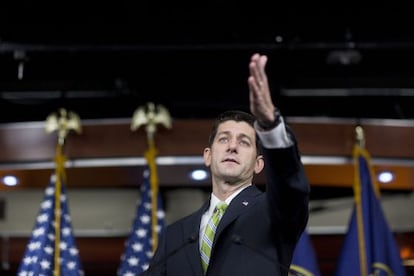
{"type": "Point", "coordinates": [233, 144]}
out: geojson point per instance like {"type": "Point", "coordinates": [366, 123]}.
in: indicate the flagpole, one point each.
{"type": "Point", "coordinates": [150, 156]}
{"type": "Point", "coordinates": [360, 143]}
{"type": "Point", "coordinates": [151, 115]}
{"type": "Point", "coordinates": [62, 123]}
{"type": "Point", "coordinates": [59, 172]}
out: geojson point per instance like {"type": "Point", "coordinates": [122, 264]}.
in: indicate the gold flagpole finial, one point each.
{"type": "Point", "coordinates": [63, 123]}
{"type": "Point", "coordinates": [360, 136]}
{"type": "Point", "coordinates": [150, 115]}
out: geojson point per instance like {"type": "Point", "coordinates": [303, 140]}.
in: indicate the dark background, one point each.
{"type": "Point", "coordinates": [104, 59]}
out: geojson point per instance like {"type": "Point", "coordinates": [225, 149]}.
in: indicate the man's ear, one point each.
{"type": "Point", "coordinates": [259, 164]}
{"type": "Point", "coordinates": [207, 157]}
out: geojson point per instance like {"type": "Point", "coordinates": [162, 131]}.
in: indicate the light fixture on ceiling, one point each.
{"type": "Point", "coordinates": [10, 180]}
{"type": "Point", "coordinates": [344, 57]}
{"type": "Point", "coordinates": [21, 58]}
{"type": "Point", "coordinates": [199, 174]}
{"type": "Point", "coordinates": [348, 55]}
{"type": "Point", "coordinates": [385, 177]}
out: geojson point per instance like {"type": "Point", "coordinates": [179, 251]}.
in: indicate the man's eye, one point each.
{"type": "Point", "coordinates": [245, 143]}
{"type": "Point", "coordinates": [223, 139]}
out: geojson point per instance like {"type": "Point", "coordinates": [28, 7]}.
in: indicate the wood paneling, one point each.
{"type": "Point", "coordinates": [391, 143]}
{"type": "Point", "coordinates": [113, 138]}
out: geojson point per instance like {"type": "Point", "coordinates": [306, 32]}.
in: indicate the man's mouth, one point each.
{"type": "Point", "coordinates": [230, 160]}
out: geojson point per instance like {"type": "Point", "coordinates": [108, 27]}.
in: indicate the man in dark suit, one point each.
{"type": "Point", "coordinates": [259, 230]}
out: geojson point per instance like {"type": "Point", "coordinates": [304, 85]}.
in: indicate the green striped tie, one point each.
{"type": "Point", "coordinates": [208, 237]}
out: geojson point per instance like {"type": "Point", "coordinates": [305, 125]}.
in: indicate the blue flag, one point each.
{"type": "Point", "coordinates": [369, 247]}
{"type": "Point", "coordinates": [139, 246]}
{"type": "Point", "coordinates": [39, 256]}
{"type": "Point", "coordinates": [304, 260]}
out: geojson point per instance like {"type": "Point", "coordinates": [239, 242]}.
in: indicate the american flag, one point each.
{"type": "Point", "coordinates": [38, 258]}
{"type": "Point", "coordinates": [138, 249]}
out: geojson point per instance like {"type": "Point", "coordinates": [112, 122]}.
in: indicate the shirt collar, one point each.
{"type": "Point", "coordinates": [215, 200]}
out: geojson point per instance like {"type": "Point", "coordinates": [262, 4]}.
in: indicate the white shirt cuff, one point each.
{"type": "Point", "coordinates": [276, 137]}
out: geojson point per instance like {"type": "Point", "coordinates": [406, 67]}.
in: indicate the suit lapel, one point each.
{"type": "Point", "coordinates": [240, 204]}
{"type": "Point", "coordinates": [191, 229]}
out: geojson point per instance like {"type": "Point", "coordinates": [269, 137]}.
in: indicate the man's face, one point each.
{"type": "Point", "coordinates": [232, 157]}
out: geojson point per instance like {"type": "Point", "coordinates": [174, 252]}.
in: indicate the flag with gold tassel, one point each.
{"type": "Point", "coordinates": [369, 247]}
{"type": "Point", "coordinates": [149, 220]}
{"type": "Point", "coordinates": [51, 250]}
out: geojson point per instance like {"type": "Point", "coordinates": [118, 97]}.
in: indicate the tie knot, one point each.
{"type": "Point", "coordinates": [221, 207]}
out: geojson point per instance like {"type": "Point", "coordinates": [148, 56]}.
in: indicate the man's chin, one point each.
{"type": "Point", "coordinates": [232, 180]}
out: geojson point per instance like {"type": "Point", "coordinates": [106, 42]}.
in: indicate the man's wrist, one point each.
{"type": "Point", "coordinates": [271, 125]}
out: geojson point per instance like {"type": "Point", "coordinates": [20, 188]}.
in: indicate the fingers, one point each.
{"type": "Point", "coordinates": [253, 84]}
{"type": "Point", "coordinates": [257, 70]}
{"type": "Point", "coordinates": [261, 104]}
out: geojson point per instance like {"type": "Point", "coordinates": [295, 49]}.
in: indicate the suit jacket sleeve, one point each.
{"type": "Point", "coordinates": [287, 191]}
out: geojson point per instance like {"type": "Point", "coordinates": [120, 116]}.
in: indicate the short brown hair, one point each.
{"type": "Point", "coordinates": [233, 115]}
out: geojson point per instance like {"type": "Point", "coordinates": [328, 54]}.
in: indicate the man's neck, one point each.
{"type": "Point", "coordinates": [224, 191]}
